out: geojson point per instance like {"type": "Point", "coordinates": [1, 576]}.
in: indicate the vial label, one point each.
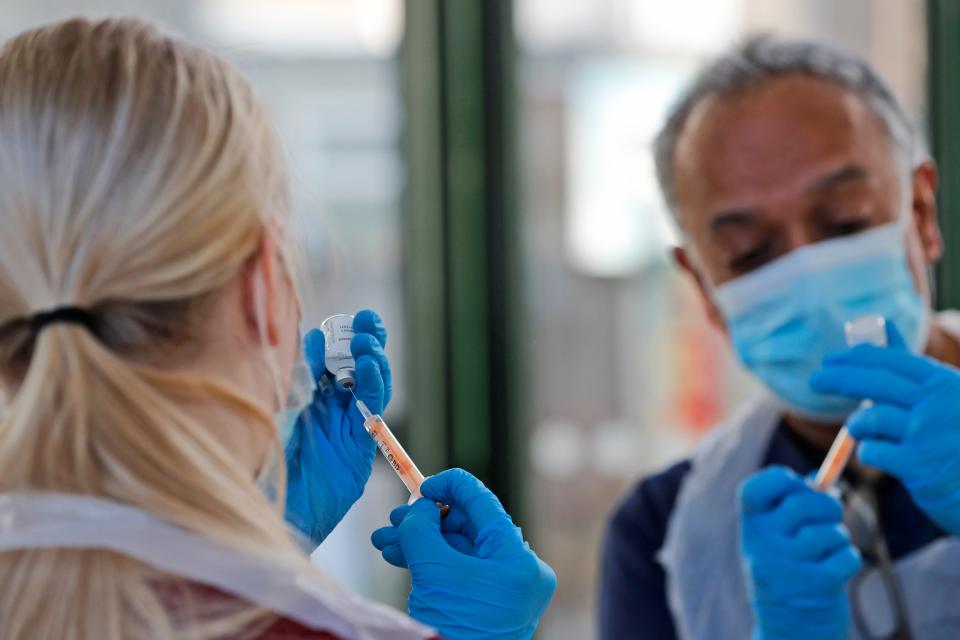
{"type": "Point", "coordinates": [338, 333]}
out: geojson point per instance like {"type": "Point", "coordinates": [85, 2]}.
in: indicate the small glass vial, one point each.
{"type": "Point", "coordinates": [338, 332]}
{"type": "Point", "coordinates": [866, 330]}
{"type": "Point", "coordinates": [863, 330]}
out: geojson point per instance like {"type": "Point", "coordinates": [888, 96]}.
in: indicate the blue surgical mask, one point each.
{"type": "Point", "coordinates": [300, 396]}
{"type": "Point", "coordinates": [285, 419]}
{"type": "Point", "coordinates": [291, 404]}
{"type": "Point", "coordinates": [786, 316]}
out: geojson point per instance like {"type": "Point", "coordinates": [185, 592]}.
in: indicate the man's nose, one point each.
{"type": "Point", "coordinates": [797, 234]}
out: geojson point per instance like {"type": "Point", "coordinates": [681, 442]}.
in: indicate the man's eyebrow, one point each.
{"type": "Point", "coordinates": [732, 217]}
{"type": "Point", "coordinates": [849, 173]}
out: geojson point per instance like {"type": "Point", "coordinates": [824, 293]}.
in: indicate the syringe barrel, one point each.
{"type": "Point", "coordinates": [395, 454]}
{"type": "Point", "coordinates": [863, 330]}
{"type": "Point", "coordinates": [836, 460]}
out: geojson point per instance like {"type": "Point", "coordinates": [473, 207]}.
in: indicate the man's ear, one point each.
{"type": "Point", "coordinates": [924, 207]}
{"type": "Point", "coordinates": [686, 263]}
{"type": "Point", "coordinates": [260, 282]}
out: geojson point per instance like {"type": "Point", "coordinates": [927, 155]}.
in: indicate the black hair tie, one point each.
{"type": "Point", "coordinates": [74, 315]}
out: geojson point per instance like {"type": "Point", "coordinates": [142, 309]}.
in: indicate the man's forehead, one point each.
{"type": "Point", "coordinates": [773, 139]}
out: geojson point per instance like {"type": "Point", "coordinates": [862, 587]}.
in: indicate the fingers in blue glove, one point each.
{"type": "Point", "coordinates": [385, 537]}
{"type": "Point", "coordinates": [364, 345]}
{"type": "Point", "coordinates": [369, 385]}
{"type": "Point", "coordinates": [887, 456]}
{"type": "Point", "coordinates": [420, 529]}
{"type": "Point", "coordinates": [461, 543]}
{"type": "Point", "coordinates": [455, 520]}
{"type": "Point", "coordinates": [865, 383]}
{"type": "Point", "coordinates": [842, 564]}
{"type": "Point", "coordinates": [452, 528]}
{"type": "Point", "coordinates": [389, 545]}
{"type": "Point", "coordinates": [476, 513]}
{"type": "Point", "coordinates": [368, 321]}
{"type": "Point", "coordinates": [820, 541]}
{"type": "Point", "coordinates": [398, 514]}
{"type": "Point", "coordinates": [314, 349]}
{"type": "Point", "coordinates": [812, 544]}
{"type": "Point", "coordinates": [781, 578]}
{"type": "Point", "coordinates": [460, 489]}
{"type": "Point", "coordinates": [880, 429]}
{"type": "Point", "coordinates": [394, 555]}
{"type": "Point", "coordinates": [894, 337]}
{"type": "Point", "coordinates": [879, 422]}
{"type": "Point", "coordinates": [767, 488]}
{"type": "Point", "coordinates": [915, 368]}
{"type": "Point", "coordinates": [800, 509]}
{"type": "Point", "coordinates": [387, 541]}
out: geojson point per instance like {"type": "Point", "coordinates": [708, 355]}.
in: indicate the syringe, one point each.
{"type": "Point", "coordinates": [394, 452]}
{"type": "Point", "coordinates": [865, 330]}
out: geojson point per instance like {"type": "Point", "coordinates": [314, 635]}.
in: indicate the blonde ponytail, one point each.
{"type": "Point", "coordinates": [138, 176]}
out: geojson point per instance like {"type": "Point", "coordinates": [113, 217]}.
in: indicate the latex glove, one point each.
{"type": "Point", "coordinates": [475, 578]}
{"type": "Point", "coordinates": [797, 558]}
{"type": "Point", "coordinates": [912, 431]}
{"type": "Point", "coordinates": [330, 454]}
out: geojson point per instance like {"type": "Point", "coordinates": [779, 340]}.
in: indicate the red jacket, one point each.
{"type": "Point", "coordinates": [183, 598]}
{"type": "Point", "coordinates": [286, 629]}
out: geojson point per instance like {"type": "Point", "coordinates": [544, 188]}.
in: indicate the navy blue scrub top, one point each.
{"type": "Point", "coordinates": [633, 595]}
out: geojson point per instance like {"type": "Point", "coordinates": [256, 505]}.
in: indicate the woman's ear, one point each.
{"type": "Point", "coordinates": [260, 284]}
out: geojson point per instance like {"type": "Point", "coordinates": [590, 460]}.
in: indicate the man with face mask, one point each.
{"type": "Point", "coordinates": [805, 202]}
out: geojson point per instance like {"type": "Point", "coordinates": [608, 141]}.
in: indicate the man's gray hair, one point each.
{"type": "Point", "coordinates": [763, 58]}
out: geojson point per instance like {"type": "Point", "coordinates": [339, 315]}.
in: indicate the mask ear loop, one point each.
{"type": "Point", "coordinates": [903, 221]}
{"type": "Point", "coordinates": [702, 276]}
{"type": "Point", "coordinates": [302, 384]}
{"type": "Point", "coordinates": [267, 478]}
{"type": "Point", "coordinates": [903, 224]}
{"type": "Point", "coordinates": [269, 353]}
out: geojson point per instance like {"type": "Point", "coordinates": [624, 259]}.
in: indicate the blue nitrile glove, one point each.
{"type": "Point", "coordinates": [330, 454]}
{"type": "Point", "coordinates": [797, 558]}
{"type": "Point", "coordinates": [912, 431]}
{"type": "Point", "coordinates": [475, 578]}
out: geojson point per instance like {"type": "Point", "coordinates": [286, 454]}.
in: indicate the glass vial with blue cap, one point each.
{"type": "Point", "coordinates": [337, 334]}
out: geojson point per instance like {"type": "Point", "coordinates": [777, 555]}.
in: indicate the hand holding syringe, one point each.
{"type": "Point", "coordinates": [865, 330]}
{"type": "Point", "coordinates": [394, 452]}
{"type": "Point", "coordinates": [339, 334]}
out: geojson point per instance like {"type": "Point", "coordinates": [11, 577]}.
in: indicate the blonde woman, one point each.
{"type": "Point", "coordinates": [152, 372]}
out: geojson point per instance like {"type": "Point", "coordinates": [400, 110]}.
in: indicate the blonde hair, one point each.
{"type": "Point", "coordinates": [138, 176]}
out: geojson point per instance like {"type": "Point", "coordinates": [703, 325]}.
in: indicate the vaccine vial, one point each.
{"type": "Point", "coordinates": [866, 330]}
{"type": "Point", "coordinates": [337, 333]}
{"type": "Point", "coordinates": [863, 330]}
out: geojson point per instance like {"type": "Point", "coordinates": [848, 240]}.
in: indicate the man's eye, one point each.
{"type": "Point", "coordinates": [750, 260]}
{"type": "Point", "coordinates": [846, 228]}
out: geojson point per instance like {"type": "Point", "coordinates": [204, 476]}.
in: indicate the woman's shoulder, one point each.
{"type": "Point", "coordinates": [186, 600]}
{"type": "Point", "coordinates": [287, 629]}
{"type": "Point", "coordinates": [190, 599]}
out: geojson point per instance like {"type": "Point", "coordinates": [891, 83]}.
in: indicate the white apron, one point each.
{"type": "Point", "coordinates": [47, 520]}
